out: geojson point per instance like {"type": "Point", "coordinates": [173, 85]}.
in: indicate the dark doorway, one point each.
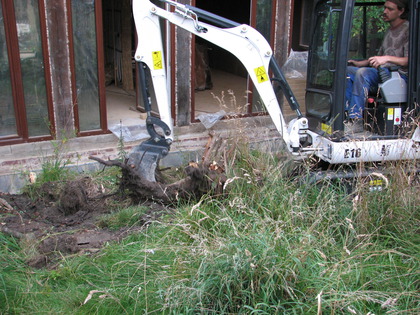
{"type": "Point", "coordinates": [119, 46]}
{"type": "Point", "coordinates": [220, 78]}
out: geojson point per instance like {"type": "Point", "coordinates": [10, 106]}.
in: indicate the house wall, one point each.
{"type": "Point", "coordinates": [18, 156]}
{"type": "Point", "coordinates": [182, 89]}
{"type": "Point", "coordinates": [282, 31]}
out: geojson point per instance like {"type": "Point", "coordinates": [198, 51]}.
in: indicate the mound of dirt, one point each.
{"type": "Point", "coordinates": [63, 219]}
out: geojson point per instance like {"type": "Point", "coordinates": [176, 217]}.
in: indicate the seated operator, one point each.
{"type": "Point", "coordinates": [363, 75]}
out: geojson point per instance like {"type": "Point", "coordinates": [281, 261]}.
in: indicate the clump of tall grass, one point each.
{"type": "Point", "coordinates": [54, 168]}
{"type": "Point", "coordinates": [281, 246]}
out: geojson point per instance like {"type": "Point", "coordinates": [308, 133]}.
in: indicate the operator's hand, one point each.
{"type": "Point", "coordinates": [377, 61]}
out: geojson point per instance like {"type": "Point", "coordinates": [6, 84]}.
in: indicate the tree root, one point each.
{"type": "Point", "coordinates": [200, 179]}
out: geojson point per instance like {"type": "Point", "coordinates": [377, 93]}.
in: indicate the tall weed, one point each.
{"type": "Point", "coordinates": [283, 247]}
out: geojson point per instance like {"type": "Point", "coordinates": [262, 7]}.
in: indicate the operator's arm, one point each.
{"type": "Point", "coordinates": [377, 61]}
{"type": "Point", "coordinates": [358, 63]}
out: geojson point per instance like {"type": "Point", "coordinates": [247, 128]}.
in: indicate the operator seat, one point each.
{"type": "Point", "coordinates": [384, 110]}
{"type": "Point", "coordinates": [393, 87]}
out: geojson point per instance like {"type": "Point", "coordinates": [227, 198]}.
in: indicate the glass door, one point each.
{"type": "Point", "coordinates": [25, 104]}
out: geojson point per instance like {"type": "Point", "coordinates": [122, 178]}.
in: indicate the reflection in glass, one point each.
{"type": "Point", "coordinates": [7, 111]}
{"type": "Point", "coordinates": [320, 104]}
{"type": "Point", "coordinates": [86, 63]}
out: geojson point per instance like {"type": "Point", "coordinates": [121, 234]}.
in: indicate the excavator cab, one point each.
{"type": "Point", "coordinates": [344, 30]}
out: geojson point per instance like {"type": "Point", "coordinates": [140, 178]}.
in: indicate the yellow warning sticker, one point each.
{"type": "Point", "coordinates": [376, 182]}
{"type": "Point", "coordinates": [390, 114]}
{"type": "Point", "coordinates": [261, 74]}
{"type": "Point", "coordinates": [157, 60]}
{"type": "Point", "coordinates": [326, 128]}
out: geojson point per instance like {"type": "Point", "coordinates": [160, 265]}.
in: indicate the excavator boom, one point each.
{"type": "Point", "coordinates": [243, 41]}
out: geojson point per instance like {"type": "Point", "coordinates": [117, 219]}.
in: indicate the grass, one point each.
{"type": "Point", "coordinates": [125, 217]}
{"type": "Point", "coordinates": [53, 169]}
{"type": "Point", "coordinates": [273, 245]}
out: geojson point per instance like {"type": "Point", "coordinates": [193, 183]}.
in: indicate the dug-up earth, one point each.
{"type": "Point", "coordinates": [65, 220]}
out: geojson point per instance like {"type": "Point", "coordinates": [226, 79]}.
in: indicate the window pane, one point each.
{"type": "Point", "coordinates": [323, 48]}
{"type": "Point", "coordinates": [305, 22]}
{"type": "Point", "coordinates": [367, 32]}
{"type": "Point", "coordinates": [319, 104]}
{"type": "Point", "coordinates": [323, 53]}
{"type": "Point", "coordinates": [264, 13]}
{"type": "Point", "coordinates": [32, 66]}
{"type": "Point", "coordinates": [86, 63]}
{"type": "Point", "coordinates": [7, 111]}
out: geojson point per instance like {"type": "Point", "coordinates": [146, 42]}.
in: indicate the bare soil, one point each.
{"type": "Point", "coordinates": [64, 219]}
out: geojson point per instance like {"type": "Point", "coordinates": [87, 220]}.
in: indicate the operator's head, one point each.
{"type": "Point", "coordinates": [402, 6]}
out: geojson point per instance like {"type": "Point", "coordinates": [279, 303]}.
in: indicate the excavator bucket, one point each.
{"type": "Point", "coordinates": [144, 163]}
{"type": "Point", "coordinates": [144, 158]}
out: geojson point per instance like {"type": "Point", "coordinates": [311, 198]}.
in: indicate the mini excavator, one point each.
{"type": "Point", "coordinates": [392, 118]}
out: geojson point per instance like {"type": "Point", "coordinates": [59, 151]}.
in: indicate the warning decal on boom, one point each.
{"type": "Point", "coordinates": [261, 74]}
{"type": "Point", "coordinates": [157, 60]}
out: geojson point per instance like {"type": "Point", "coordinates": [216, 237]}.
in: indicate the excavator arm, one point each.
{"type": "Point", "coordinates": [243, 41]}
